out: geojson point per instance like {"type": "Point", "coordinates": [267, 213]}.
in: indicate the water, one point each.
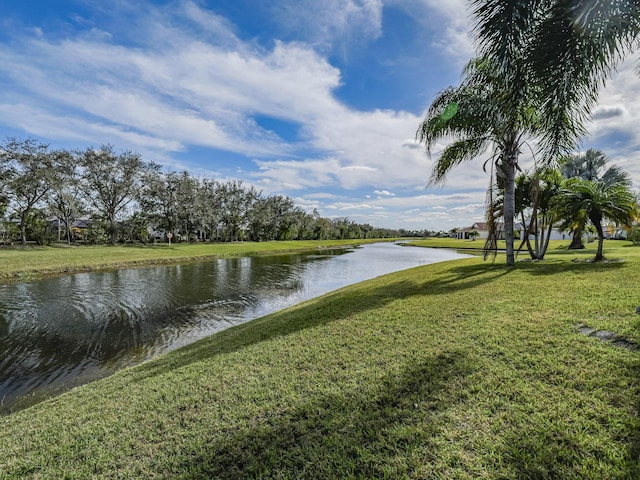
{"type": "Point", "coordinates": [62, 332]}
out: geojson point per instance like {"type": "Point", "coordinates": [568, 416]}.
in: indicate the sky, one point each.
{"type": "Point", "coordinates": [318, 100]}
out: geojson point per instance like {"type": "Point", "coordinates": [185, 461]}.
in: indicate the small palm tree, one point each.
{"type": "Point", "coordinates": [590, 166]}
{"type": "Point", "coordinates": [595, 200]}
{"type": "Point", "coordinates": [535, 193]}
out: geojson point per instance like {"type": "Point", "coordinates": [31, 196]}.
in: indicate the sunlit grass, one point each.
{"type": "Point", "coordinates": [463, 370]}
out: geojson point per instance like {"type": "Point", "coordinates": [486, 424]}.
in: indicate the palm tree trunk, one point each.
{"type": "Point", "coordinates": [599, 257]}
{"type": "Point", "coordinates": [576, 240]}
{"type": "Point", "coordinates": [546, 242]}
{"type": "Point", "coordinates": [509, 171]}
{"type": "Point", "coordinates": [527, 230]}
{"type": "Point", "coordinates": [596, 219]}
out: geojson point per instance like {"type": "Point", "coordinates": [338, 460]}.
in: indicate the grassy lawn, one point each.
{"type": "Point", "coordinates": [459, 370]}
{"type": "Point", "coordinates": [32, 262]}
{"type": "Point", "coordinates": [445, 242]}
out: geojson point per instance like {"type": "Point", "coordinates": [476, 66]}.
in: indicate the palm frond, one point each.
{"type": "Point", "coordinates": [455, 154]}
{"type": "Point", "coordinates": [580, 197]}
{"type": "Point", "coordinates": [471, 117]}
{"type": "Point", "coordinates": [616, 175]}
{"type": "Point", "coordinates": [576, 45]}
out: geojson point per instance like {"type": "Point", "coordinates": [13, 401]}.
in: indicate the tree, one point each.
{"type": "Point", "coordinates": [34, 169]}
{"type": "Point", "coordinates": [186, 194]}
{"type": "Point", "coordinates": [158, 198]}
{"type": "Point", "coordinates": [38, 228]}
{"type": "Point", "coordinates": [110, 182]}
{"type": "Point", "coordinates": [577, 45]}
{"type": "Point", "coordinates": [563, 50]}
{"type": "Point", "coordinates": [487, 110]}
{"type": "Point", "coordinates": [271, 218]}
{"type": "Point", "coordinates": [473, 234]}
{"type": "Point", "coordinates": [535, 194]}
{"type": "Point", "coordinates": [207, 208]}
{"type": "Point", "coordinates": [596, 200]}
{"type": "Point", "coordinates": [65, 197]}
{"type": "Point", "coordinates": [236, 201]}
{"type": "Point", "coordinates": [590, 165]}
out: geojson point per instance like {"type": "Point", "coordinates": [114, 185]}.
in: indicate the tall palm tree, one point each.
{"type": "Point", "coordinates": [591, 165]}
{"type": "Point", "coordinates": [597, 200]}
{"type": "Point", "coordinates": [479, 114]}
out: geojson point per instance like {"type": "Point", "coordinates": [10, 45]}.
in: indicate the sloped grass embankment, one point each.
{"type": "Point", "coordinates": [457, 370]}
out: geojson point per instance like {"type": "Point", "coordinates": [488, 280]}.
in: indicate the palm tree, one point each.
{"type": "Point", "coordinates": [591, 166]}
{"type": "Point", "coordinates": [563, 50]}
{"type": "Point", "coordinates": [535, 193]}
{"type": "Point", "coordinates": [597, 200]}
{"type": "Point", "coordinates": [482, 112]}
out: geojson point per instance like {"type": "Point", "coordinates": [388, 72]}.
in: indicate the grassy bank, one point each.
{"type": "Point", "coordinates": [457, 370]}
{"type": "Point", "coordinates": [33, 262]}
{"type": "Point", "coordinates": [444, 242]}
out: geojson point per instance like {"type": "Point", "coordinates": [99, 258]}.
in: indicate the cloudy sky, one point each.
{"type": "Point", "coordinates": [315, 99]}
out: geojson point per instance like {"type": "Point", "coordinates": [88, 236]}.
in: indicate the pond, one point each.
{"type": "Point", "coordinates": [62, 332]}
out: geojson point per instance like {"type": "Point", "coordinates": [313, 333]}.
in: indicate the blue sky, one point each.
{"type": "Point", "coordinates": [315, 99]}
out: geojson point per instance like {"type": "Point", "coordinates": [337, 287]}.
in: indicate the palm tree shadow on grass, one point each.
{"type": "Point", "coordinates": [336, 306]}
{"type": "Point", "coordinates": [340, 304]}
{"type": "Point", "coordinates": [633, 462]}
{"type": "Point", "coordinates": [582, 265]}
{"type": "Point", "coordinates": [396, 428]}
{"type": "Point", "coordinates": [385, 430]}
{"type": "Point", "coordinates": [389, 429]}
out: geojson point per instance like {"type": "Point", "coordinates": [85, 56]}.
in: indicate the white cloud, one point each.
{"type": "Point", "coordinates": [615, 128]}
{"type": "Point", "coordinates": [330, 23]}
{"type": "Point", "coordinates": [191, 92]}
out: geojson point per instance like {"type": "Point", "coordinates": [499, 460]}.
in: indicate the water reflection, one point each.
{"type": "Point", "coordinates": [61, 332]}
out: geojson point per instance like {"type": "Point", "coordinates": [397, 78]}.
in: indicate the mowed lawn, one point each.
{"type": "Point", "coordinates": [460, 370]}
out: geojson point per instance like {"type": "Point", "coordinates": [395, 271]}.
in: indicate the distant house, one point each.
{"type": "Point", "coordinates": [481, 228]}
{"type": "Point", "coordinates": [555, 233]}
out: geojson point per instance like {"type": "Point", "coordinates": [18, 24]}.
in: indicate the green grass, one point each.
{"type": "Point", "coordinates": [459, 370]}
{"type": "Point", "coordinates": [478, 245]}
{"type": "Point", "coordinates": [33, 262]}
{"type": "Point", "coordinates": [444, 242]}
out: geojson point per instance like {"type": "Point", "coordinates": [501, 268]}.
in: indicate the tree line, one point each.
{"type": "Point", "coordinates": [100, 195]}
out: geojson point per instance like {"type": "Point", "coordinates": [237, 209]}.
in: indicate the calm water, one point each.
{"type": "Point", "coordinates": [62, 332]}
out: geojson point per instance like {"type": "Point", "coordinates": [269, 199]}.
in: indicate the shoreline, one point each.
{"type": "Point", "coordinates": [55, 261]}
